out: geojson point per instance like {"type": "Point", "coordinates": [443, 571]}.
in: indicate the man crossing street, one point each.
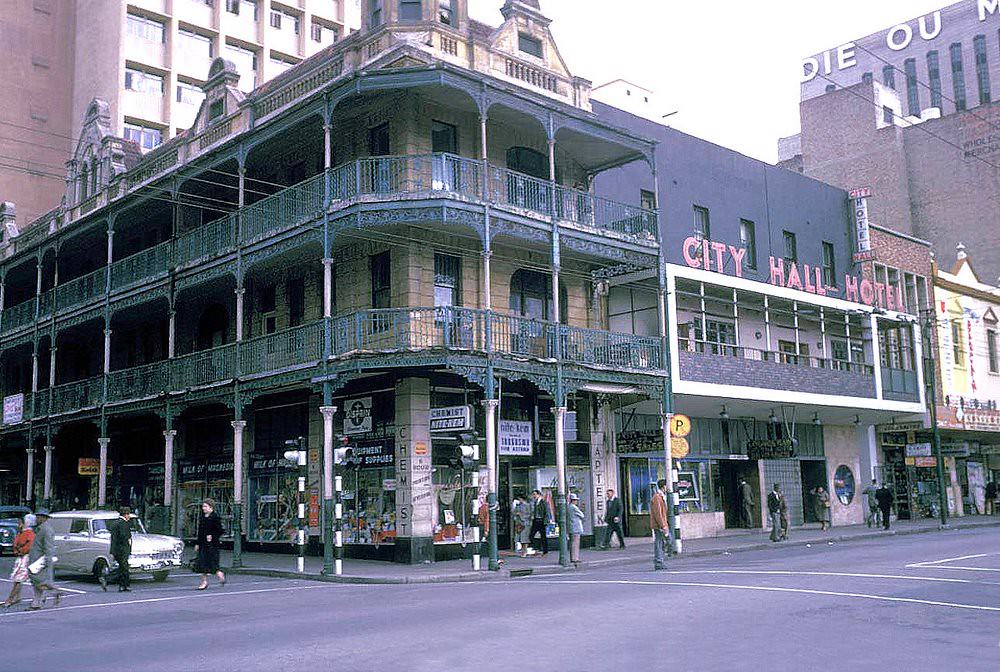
{"type": "Point", "coordinates": [121, 549]}
{"type": "Point", "coordinates": [614, 520]}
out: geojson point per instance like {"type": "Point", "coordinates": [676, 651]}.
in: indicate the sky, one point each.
{"type": "Point", "coordinates": [730, 67]}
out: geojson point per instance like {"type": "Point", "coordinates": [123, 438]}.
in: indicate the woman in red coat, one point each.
{"type": "Point", "coordinates": [22, 544]}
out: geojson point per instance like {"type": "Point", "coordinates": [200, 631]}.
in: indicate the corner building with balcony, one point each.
{"type": "Point", "coordinates": [785, 353]}
{"type": "Point", "coordinates": [392, 240]}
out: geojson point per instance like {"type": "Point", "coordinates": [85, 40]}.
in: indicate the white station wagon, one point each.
{"type": "Point", "coordinates": [83, 546]}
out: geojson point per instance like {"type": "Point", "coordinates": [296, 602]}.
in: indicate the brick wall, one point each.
{"type": "Point", "coordinates": [707, 368]}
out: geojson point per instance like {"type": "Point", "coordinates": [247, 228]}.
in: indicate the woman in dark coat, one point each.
{"type": "Point", "coordinates": [207, 547]}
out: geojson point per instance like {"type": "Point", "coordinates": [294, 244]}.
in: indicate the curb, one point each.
{"type": "Point", "coordinates": [548, 570]}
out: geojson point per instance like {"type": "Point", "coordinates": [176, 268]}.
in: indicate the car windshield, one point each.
{"type": "Point", "coordinates": [12, 514]}
{"type": "Point", "coordinates": [100, 525]}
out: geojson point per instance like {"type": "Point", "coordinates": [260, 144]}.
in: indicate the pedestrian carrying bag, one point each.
{"type": "Point", "coordinates": [37, 566]}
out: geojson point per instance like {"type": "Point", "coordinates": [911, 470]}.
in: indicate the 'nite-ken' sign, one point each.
{"type": "Point", "coordinates": [712, 256]}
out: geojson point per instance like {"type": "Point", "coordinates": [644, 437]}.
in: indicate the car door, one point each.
{"type": "Point", "coordinates": [63, 542]}
{"type": "Point", "coordinates": [74, 550]}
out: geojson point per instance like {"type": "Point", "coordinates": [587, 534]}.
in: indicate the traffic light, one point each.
{"type": "Point", "coordinates": [295, 450]}
{"type": "Point", "coordinates": [465, 458]}
{"type": "Point", "coordinates": [344, 455]}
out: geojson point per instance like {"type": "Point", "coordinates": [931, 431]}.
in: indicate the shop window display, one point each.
{"type": "Point", "coordinates": [201, 479]}
{"type": "Point", "coordinates": [370, 506]}
{"type": "Point", "coordinates": [456, 504]}
{"type": "Point", "coordinates": [272, 488]}
{"type": "Point", "coordinates": [695, 485]}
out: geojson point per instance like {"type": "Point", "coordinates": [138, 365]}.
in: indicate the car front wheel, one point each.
{"type": "Point", "coordinates": [100, 569]}
{"type": "Point", "coordinates": [160, 577]}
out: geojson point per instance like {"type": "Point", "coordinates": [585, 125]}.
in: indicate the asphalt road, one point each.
{"type": "Point", "coordinates": [920, 602]}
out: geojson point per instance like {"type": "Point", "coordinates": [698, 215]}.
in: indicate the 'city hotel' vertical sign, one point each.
{"type": "Point", "coordinates": [862, 235]}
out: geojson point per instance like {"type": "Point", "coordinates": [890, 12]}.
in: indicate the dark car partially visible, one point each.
{"type": "Point", "coordinates": [10, 517]}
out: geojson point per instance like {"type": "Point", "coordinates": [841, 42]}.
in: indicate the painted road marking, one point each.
{"type": "Point", "coordinates": [941, 562]}
{"type": "Point", "coordinates": [174, 598]}
{"type": "Point", "coordinates": [857, 575]}
{"type": "Point", "coordinates": [776, 589]}
{"type": "Point", "coordinates": [58, 586]}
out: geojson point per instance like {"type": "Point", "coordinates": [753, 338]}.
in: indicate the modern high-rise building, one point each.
{"type": "Point", "coordinates": [147, 59]}
{"type": "Point", "coordinates": [911, 117]}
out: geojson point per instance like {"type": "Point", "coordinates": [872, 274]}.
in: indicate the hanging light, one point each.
{"type": "Point", "coordinates": [724, 414]}
{"type": "Point", "coordinates": [773, 418]}
{"type": "Point", "coordinates": [816, 420]}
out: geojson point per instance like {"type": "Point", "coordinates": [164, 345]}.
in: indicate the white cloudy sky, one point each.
{"type": "Point", "coordinates": [731, 67]}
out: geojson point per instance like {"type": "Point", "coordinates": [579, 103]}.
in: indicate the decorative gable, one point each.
{"type": "Point", "coordinates": [525, 35]}
{"type": "Point", "coordinates": [99, 155]}
{"type": "Point", "coordinates": [222, 95]}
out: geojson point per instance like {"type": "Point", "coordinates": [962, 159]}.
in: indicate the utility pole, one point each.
{"type": "Point", "coordinates": [297, 451]}
{"type": "Point", "coordinates": [930, 372]}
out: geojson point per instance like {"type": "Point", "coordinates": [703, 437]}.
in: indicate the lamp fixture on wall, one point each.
{"type": "Point", "coordinates": [857, 420]}
{"type": "Point", "coordinates": [724, 414]}
{"type": "Point", "coordinates": [773, 418]}
{"type": "Point", "coordinates": [816, 420]}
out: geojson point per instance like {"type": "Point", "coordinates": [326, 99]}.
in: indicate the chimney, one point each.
{"type": "Point", "coordinates": [8, 217]}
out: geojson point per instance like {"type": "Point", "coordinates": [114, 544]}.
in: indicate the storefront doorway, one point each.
{"type": "Point", "coordinates": [730, 473]}
{"type": "Point", "coordinates": [813, 476]}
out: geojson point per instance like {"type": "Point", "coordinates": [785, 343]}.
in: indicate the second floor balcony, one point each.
{"type": "Point", "coordinates": [355, 338]}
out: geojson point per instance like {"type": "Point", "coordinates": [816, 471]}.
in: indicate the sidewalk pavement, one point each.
{"type": "Point", "coordinates": [639, 550]}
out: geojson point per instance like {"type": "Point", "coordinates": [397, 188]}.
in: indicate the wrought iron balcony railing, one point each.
{"type": "Point", "coordinates": [365, 332]}
{"type": "Point", "coordinates": [372, 178]}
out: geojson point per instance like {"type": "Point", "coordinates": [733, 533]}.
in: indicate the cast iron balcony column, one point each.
{"type": "Point", "coordinates": [168, 467]}
{"type": "Point", "coordinates": [328, 288]}
{"type": "Point", "coordinates": [328, 514]}
{"type": "Point", "coordinates": [491, 406]}
{"type": "Point", "coordinates": [171, 333]}
{"type": "Point", "coordinates": [102, 475]}
{"type": "Point", "coordinates": [560, 416]}
{"type": "Point", "coordinates": [29, 486]}
{"type": "Point", "coordinates": [239, 311]}
{"type": "Point", "coordinates": [34, 366]}
{"type": "Point", "coordinates": [107, 350]}
{"type": "Point", "coordinates": [238, 427]}
{"type": "Point", "coordinates": [47, 478]}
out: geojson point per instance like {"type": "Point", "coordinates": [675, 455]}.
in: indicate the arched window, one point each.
{"type": "Point", "coordinates": [213, 327]}
{"type": "Point", "coordinates": [93, 176]}
{"type": "Point", "coordinates": [84, 182]}
{"type": "Point", "coordinates": [531, 296]}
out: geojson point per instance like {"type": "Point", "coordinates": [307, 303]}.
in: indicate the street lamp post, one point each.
{"type": "Point", "coordinates": [928, 319]}
{"type": "Point", "coordinates": [297, 451]}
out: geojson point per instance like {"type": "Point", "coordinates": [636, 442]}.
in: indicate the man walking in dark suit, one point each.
{"type": "Point", "coordinates": [884, 498]}
{"type": "Point", "coordinates": [774, 511]}
{"type": "Point", "coordinates": [121, 549]}
{"type": "Point", "coordinates": [614, 520]}
{"type": "Point", "coordinates": [539, 519]}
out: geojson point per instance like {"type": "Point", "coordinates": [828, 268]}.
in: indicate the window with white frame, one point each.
{"type": "Point", "coordinates": [145, 29]}
{"type": "Point", "coordinates": [992, 345]}
{"type": "Point", "coordinates": [145, 136]}
{"type": "Point", "coordinates": [143, 82]}
{"type": "Point", "coordinates": [189, 94]}
{"type": "Point", "coordinates": [194, 45]}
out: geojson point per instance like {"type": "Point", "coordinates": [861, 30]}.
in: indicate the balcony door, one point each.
{"type": "Point", "coordinates": [444, 141]}
{"type": "Point", "coordinates": [523, 192]}
{"type": "Point", "coordinates": [380, 178]}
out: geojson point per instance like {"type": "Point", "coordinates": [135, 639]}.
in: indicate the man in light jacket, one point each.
{"type": "Point", "coordinates": [41, 561]}
{"type": "Point", "coordinates": [659, 521]}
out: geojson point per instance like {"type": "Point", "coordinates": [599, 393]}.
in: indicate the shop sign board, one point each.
{"type": "Point", "coordinates": [91, 466]}
{"type": "Point", "coordinates": [918, 450]}
{"type": "Point", "coordinates": [924, 462]}
{"type": "Point", "coordinates": [377, 453]}
{"type": "Point", "coordinates": [515, 437]}
{"type": "Point", "coordinates": [217, 470]}
{"type": "Point", "coordinates": [261, 463]}
{"type": "Point", "coordinates": [770, 449]}
{"type": "Point", "coordinates": [358, 416]}
{"type": "Point", "coordinates": [955, 449]}
{"type": "Point", "coordinates": [13, 409]}
{"type": "Point", "coordinates": [451, 419]}
{"type": "Point", "coordinates": [862, 236]}
{"type": "Point", "coordinates": [687, 486]}
{"type": "Point", "coordinates": [899, 427]}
